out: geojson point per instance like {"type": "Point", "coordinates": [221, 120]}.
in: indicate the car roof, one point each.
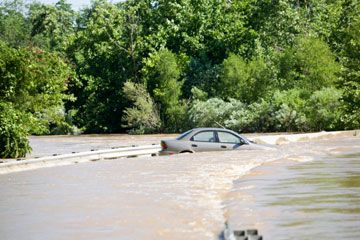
{"type": "Point", "coordinates": [212, 129]}
{"type": "Point", "coordinates": [196, 130]}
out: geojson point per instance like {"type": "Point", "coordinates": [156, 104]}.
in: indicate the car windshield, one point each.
{"type": "Point", "coordinates": [184, 135]}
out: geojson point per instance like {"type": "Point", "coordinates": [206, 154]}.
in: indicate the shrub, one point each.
{"type": "Point", "coordinates": [288, 111]}
{"type": "Point", "coordinates": [213, 112]}
{"type": "Point", "coordinates": [251, 118]}
{"type": "Point", "coordinates": [13, 133]}
{"type": "Point", "coordinates": [142, 117]}
{"type": "Point", "coordinates": [324, 109]}
{"type": "Point", "coordinates": [246, 81]}
{"type": "Point", "coordinates": [309, 65]}
{"type": "Point", "coordinates": [162, 77]}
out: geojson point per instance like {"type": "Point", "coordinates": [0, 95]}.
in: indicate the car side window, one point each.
{"type": "Point", "coordinates": [184, 135]}
{"type": "Point", "coordinates": [225, 137]}
{"type": "Point", "coordinates": [206, 136]}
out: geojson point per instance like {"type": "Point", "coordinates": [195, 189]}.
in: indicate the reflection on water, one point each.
{"type": "Point", "coordinates": [296, 192]}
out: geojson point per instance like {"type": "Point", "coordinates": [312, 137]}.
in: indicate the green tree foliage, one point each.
{"type": "Point", "coordinates": [351, 76]}
{"type": "Point", "coordinates": [55, 24]}
{"type": "Point", "coordinates": [287, 114]}
{"type": "Point", "coordinates": [248, 65]}
{"type": "Point", "coordinates": [14, 27]}
{"type": "Point", "coordinates": [34, 82]}
{"type": "Point", "coordinates": [104, 64]}
{"type": "Point", "coordinates": [203, 74]}
{"type": "Point", "coordinates": [346, 41]}
{"type": "Point", "coordinates": [164, 84]}
{"type": "Point", "coordinates": [213, 112]}
{"type": "Point", "coordinates": [246, 81]}
{"type": "Point", "coordinates": [143, 116]}
{"type": "Point", "coordinates": [309, 65]}
{"type": "Point", "coordinates": [255, 117]}
{"type": "Point", "coordinates": [324, 109]}
{"type": "Point", "coordinates": [13, 132]}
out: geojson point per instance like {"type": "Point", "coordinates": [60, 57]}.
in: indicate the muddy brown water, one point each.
{"type": "Point", "coordinates": [306, 190]}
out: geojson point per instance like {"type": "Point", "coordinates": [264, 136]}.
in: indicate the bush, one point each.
{"type": "Point", "coordinates": [13, 134]}
{"type": "Point", "coordinates": [142, 117]}
{"type": "Point", "coordinates": [309, 65]}
{"type": "Point", "coordinates": [213, 112]}
{"type": "Point", "coordinates": [324, 109]}
{"type": "Point", "coordinates": [35, 82]}
{"type": "Point", "coordinates": [162, 77]}
{"type": "Point", "coordinates": [288, 111]}
{"type": "Point", "coordinates": [246, 81]}
{"type": "Point", "coordinates": [251, 118]}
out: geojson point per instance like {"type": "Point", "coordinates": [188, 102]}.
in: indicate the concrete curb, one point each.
{"type": "Point", "coordinates": [66, 159]}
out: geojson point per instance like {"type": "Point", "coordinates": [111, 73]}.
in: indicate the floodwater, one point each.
{"type": "Point", "coordinates": [49, 145]}
{"type": "Point", "coordinates": [308, 190]}
{"type": "Point", "coordinates": [317, 199]}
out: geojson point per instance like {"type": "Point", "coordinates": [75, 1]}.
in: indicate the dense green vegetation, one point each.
{"type": "Point", "coordinates": [148, 66]}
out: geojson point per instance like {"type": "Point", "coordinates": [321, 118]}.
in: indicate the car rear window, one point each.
{"type": "Point", "coordinates": [184, 135]}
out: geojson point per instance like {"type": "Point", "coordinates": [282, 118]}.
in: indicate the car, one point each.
{"type": "Point", "coordinates": [207, 139]}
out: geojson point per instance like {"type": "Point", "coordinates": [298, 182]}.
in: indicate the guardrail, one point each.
{"type": "Point", "coordinates": [246, 234]}
{"type": "Point", "coordinates": [66, 159]}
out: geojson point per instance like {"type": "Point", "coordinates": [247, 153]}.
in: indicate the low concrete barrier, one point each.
{"type": "Point", "coordinates": [66, 159]}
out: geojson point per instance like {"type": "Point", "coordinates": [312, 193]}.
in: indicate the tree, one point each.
{"type": "Point", "coordinates": [32, 90]}
{"type": "Point", "coordinates": [288, 111]}
{"type": "Point", "coordinates": [347, 44]}
{"type": "Point", "coordinates": [14, 27]}
{"type": "Point", "coordinates": [13, 132]}
{"type": "Point", "coordinates": [34, 82]}
{"type": "Point", "coordinates": [246, 81]}
{"type": "Point", "coordinates": [102, 55]}
{"type": "Point", "coordinates": [351, 76]}
{"type": "Point", "coordinates": [55, 24]}
{"type": "Point", "coordinates": [309, 65]}
{"type": "Point", "coordinates": [202, 73]}
{"type": "Point", "coordinates": [143, 116]}
{"type": "Point", "coordinates": [163, 82]}
{"type": "Point", "coordinates": [213, 112]}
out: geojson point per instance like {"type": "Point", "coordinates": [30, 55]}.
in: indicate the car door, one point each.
{"type": "Point", "coordinates": [204, 141]}
{"type": "Point", "coordinates": [229, 141]}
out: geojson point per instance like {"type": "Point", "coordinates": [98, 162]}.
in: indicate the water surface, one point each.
{"type": "Point", "coordinates": [301, 189]}
{"type": "Point", "coordinates": [318, 199]}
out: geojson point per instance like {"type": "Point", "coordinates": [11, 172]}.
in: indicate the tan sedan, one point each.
{"type": "Point", "coordinates": [207, 139]}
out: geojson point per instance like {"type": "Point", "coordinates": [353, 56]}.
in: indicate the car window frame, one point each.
{"type": "Point", "coordinates": [214, 134]}
{"type": "Point", "coordinates": [184, 135]}
{"type": "Point", "coordinates": [242, 141]}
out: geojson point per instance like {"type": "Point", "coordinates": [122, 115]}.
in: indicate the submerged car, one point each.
{"type": "Point", "coordinates": [207, 139]}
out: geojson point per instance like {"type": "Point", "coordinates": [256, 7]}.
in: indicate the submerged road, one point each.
{"type": "Point", "coordinates": [190, 196]}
